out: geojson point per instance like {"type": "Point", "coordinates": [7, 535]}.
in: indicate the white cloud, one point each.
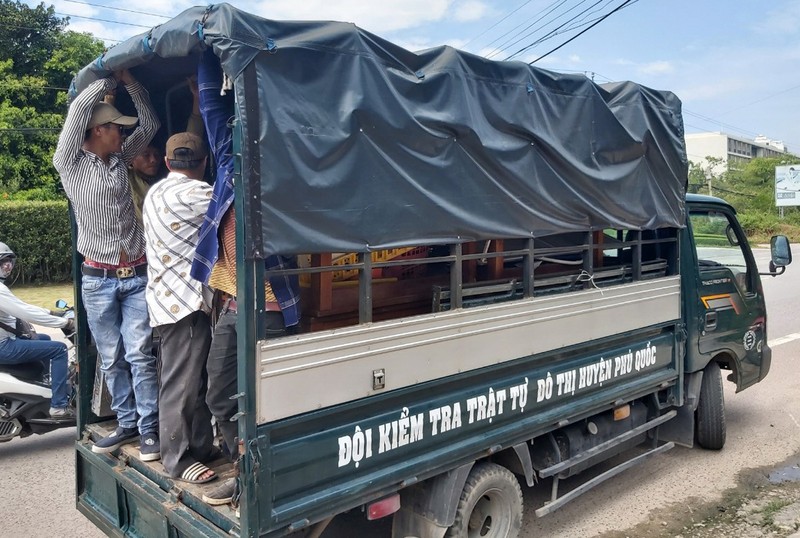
{"type": "Point", "coordinates": [390, 16]}
{"type": "Point", "coordinates": [657, 68]}
{"type": "Point", "coordinates": [97, 29]}
{"type": "Point", "coordinates": [708, 91]}
{"type": "Point", "coordinates": [785, 20]}
{"type": "Point", "coordinates": [471, 10]}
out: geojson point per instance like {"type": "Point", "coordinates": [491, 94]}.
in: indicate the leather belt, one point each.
{"type": "Point", "coordinates": [119, 272]}
{"type": "Point", "coordinates": [229, 305]}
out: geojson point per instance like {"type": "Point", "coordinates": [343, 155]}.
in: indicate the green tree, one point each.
{"type": "Point", "coordinates": [30, 35]}
{"type": "Point", "coordinates": [74, 51]}
{"type": "Point", "coordinates": [753, 183]}
{"type": "Point", "coordinates": [706, 175]}
{"type": "Point", "coordinates": [27, 136]}
{"type": "Point", "coordinates": [38, 59]}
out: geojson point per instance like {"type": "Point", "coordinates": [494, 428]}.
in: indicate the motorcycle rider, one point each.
{"type": "Point", "coordinates": [14, 350]}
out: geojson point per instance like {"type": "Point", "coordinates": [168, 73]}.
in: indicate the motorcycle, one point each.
{"type": "Point", "coordinates": [25, 393]}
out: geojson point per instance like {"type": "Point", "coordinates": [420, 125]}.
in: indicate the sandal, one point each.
{"type": "Point", "coordinates": [194, 474]}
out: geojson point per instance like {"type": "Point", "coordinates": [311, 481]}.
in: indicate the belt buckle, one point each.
{"type": "Point", "coordinates": [125, 272]}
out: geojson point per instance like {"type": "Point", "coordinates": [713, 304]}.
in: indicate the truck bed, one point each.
{"type": "Point", "coordinates": [106, 481]}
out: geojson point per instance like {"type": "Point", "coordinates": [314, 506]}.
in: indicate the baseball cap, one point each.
{"type": "Point", "coordinates": [185, 150]}
{"type": "Point", "coordinates": [106, 113]}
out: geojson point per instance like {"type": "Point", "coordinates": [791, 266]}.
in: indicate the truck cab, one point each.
{"type": "Point", "coordinates": [729, 308]}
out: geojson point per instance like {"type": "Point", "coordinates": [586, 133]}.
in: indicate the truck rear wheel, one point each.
{"type": "Point", "coordinates": [710, 414]}
{"type": "Point", "coordinates": [490, 504]}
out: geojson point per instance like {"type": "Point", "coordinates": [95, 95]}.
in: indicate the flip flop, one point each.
{"type": "Point", "coordinates": [194, 472]}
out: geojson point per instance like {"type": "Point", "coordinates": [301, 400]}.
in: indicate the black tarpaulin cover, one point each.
{"type": "Point", "coordinates": [362, 145]}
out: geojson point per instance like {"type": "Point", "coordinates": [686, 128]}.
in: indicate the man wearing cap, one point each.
{"type": "Point", "coordinates": [92, 158]}
{"type": "Point", "coordinates": [179, 306]}
{"type": "Point", "coordinates": [148, 167]}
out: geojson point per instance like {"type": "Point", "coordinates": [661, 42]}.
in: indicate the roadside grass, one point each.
{"type": "Point", "coordinates": [771, 509]}
{"type": "Point", "coordinates": [44, 295]}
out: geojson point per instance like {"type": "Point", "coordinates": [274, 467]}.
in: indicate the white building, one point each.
{"type": "Point", "coordinates": [730, 148]}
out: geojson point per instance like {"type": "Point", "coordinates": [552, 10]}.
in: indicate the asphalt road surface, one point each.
{"type": "Point", "coordinates": [37, 473]}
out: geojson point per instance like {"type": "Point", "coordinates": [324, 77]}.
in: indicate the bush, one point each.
{"type": "Point", "coordinates": [39, 234]}
{"type": "Point", "coordinates": [760, 226]}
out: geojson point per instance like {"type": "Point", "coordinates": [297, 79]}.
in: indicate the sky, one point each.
{"type": "Point", "coordinates": [733, 63]}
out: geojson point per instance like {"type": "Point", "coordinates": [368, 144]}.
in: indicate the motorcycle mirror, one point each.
{"type": "Point", "coordinates": [61, 303]}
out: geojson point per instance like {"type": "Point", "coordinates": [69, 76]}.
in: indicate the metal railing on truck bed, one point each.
{"type": "Point", "coordinates": [351, 413]}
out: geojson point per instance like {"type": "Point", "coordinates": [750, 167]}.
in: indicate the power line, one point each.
{"type": "Point", "coordinates": [30, 86]}
{"type": "Point", "coordinates": [550, 33]}
{"type": "Point", "coordinates": [509, 42]}
{"type": "Point", "coordinates": [105, 20]}
{"type": "Point", "coordinates": [571, 27]}
{"type": "Point", "coordinates": [7, 25]}
{"type": "Point", "coordinates": [720, 123]}
{"type": "Point", "coordinates": [760, 100]}
{"type": "Point", "coordinates": [489, 28]}
{"type": "Point", "coordinates": [30, 130]}
{"type": "Point", "coordinates": [165, 17]}
{"type": "Point", "coordinates": [621, 6]}
{"type": "Point", "coordinates": [586, 73]}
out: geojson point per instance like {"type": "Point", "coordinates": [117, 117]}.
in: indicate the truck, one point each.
{"type": "Point", "coordinates": [505, 284]}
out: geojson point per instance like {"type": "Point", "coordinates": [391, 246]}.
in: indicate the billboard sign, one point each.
{"type": "Point", "coordinates": [787, 185]}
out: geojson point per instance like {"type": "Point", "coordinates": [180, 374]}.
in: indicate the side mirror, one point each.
{"type": "Point", "coordinates": [780, 250]}
{"type": "Point", "coordinates": [781, 254]}
{"type": "Point", "coordinates": [731, 234]}
{"type": "Point", "coordinates": [61, 303]}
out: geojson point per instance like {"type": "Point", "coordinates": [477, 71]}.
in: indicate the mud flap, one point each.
{"type": "Point", "coordinates": [429, 508]}
{"type": "Point", "coordinates": [680, 430]}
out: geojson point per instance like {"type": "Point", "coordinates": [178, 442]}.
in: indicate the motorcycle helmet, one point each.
{"type": "Point", "coordinates": [7, 260]}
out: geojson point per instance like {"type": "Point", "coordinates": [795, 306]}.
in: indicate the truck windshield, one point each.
{"type": "Point", "coordinates": [718, 244]}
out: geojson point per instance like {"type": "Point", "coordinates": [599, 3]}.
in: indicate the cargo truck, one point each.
{"type": "Point", "coordinates": [504, 284]}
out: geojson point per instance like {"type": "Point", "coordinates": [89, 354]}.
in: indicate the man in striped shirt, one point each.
{"type": "Point", "coordinates": [179, 308]}
{"type": "Point", "coordinates": [92, 158]}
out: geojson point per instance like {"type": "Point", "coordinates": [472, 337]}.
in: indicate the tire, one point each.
{"type": "Point", "coordinates": [490, 505]}
{"type": "Point", "coordinates": [710, 414]}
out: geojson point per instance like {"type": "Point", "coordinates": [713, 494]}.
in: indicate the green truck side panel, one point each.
{"type": "Point", "coordinates": [328, 461]}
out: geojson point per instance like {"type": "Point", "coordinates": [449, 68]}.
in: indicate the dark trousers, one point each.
{"type": "Point", "coordinates": [53, 355]}
{"type": "Point", "coordinates": [222, 378]}
{"type": "Point", "coordinates": [185, 429]}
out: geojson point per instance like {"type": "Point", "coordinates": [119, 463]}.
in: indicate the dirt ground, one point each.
{"type": "Point", "coordinates": [765, 504]}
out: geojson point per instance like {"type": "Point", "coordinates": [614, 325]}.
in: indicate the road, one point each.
{"type": "Point", "coordinates": [763, 422]}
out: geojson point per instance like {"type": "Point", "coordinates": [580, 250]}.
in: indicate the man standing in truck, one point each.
{"type": "Point", "coordinates": [92, 157]}
{"type": "Point", "coordinates": [215, 263]}
{"type": "Point", "coordinates": [179, 309]}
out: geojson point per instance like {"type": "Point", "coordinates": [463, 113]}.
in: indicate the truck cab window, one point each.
{"type": "Point", "coordinates": [719, 245]}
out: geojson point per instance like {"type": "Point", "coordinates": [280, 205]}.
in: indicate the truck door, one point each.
{"type": "Point", "coordinates": [730, 298]}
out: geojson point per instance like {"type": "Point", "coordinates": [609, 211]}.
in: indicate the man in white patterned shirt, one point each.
{"type": "Point", "coordinates": [178, 304]}
{"type": "Point", "coordinates": [92, 158]}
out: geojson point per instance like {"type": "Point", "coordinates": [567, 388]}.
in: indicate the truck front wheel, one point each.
{"type": "Point", "coordinates": [710, 414]}
{"type": "Point", "coordinates": [490, 504]}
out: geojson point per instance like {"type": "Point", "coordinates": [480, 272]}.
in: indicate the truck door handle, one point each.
{"type": "Point", "coordinates": [711, 321]}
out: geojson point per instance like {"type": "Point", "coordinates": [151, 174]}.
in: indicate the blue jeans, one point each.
{"type": "Point", "coordinates": [44, 350]}
{"type": "Point", "coordinates": [117, 314]}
